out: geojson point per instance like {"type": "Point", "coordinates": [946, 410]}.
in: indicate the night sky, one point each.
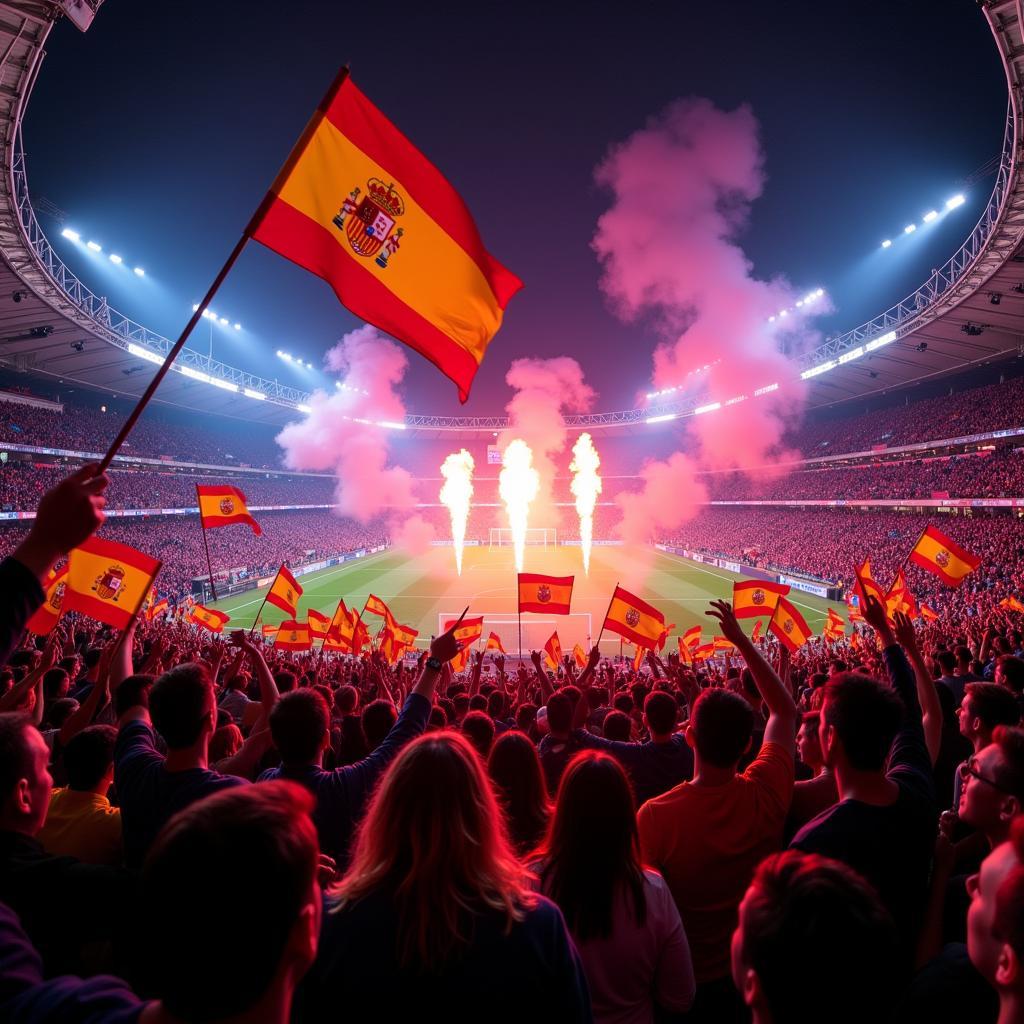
{"type": "Point", "coordinates": [160, 129]}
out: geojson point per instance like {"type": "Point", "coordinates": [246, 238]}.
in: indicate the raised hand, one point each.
{"type": "Point", "coordinates": [723, 613]}
{"type": "Point", "coordinates": [445, 646]}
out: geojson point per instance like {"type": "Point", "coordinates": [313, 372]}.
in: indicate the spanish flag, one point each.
{"type": "Point", "coordinates": [720, 644]}
{"type": "Point", "coordinates": [338, 645]}
{"type": "Point", "coordinates": [580, 656]}
{"type": "Point", "coordinates": [703, 652]}
{"type": "Point", "coordinates": [319, 624]}
{"type": "Point", "coordinates": [224, 506]}
{"type": "Point", "coordinates": [46, 615]}
{"type": "Point", "coordinates": [1010, 603]}
{"type": "Point", "coordinates": [834, 626]}
{"type": "Point", "coordinates": [494, 643]}
{"type": "Point", "coordinates": [638, 658]}
{"type": "Point", "coordinates": [634, 620]}
{"type": "Point", "coordinates": [691, 638]}
{"type": "Point", "coordinates": [927, 612]}
{"type": "Point", "coordinates": [866, 585]}
{"type": "Point", "coordinates": [665, 634]}
{"type": "Point", "coordinates": [789, 625]}
{"type": "Point", "coordinates": [156, 608]}
{"type": "Point", "coordinates": [360, 632]}
{"type": "Point", "coordinates": [936, 553]}
{"type": "Point", "coordinates": [553, 651]}
{"type": "Point", "coordinates": [551, 594]}
{"type": "Point", "coordinates": [403, 638]}
{"type": "Point", "coordinates": [269, 631]}
{"type": "Point", "coordinates": [285, 592]}
{"type": "Point", "coordinates": [342, 624]}
{"type": "Point", "coordinates": [469, 631]}
{"type": "Point", "coordinates": [293, 636]}
{"type": "Point", "coordinates": [899, 598]}
{"type": "Point", "coordinates": [108, 581]}
{"type": "Point", "coordinates": [375, 606]}
{"type": "Point", "coordinates": [208, 618]}
{"type": "Point", "coordinates": [684, 652]}
{"type": "Point", "coordinates": [756, 597]}
{"type": "Point", "coordinates": [358, 205]}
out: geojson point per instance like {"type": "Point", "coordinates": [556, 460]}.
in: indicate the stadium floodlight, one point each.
{"type": "Point", "coordinates": [144, 353]}
{"type": "Point", "coordinates": [96, 247]}
{"type": "Point", "coordinates": [767, 389]}
{"type": "Point", "coordinates": [819, 292]}
{"type": "Point", "coordinates": [249, 393]}
{"type": "Point", "coordinates": [910, 229]}
{"type": "Point", "coordinates": [955, 201]}
{"type": "Point", "coordinates": [660, 419]}
{"type": "Point", "coordinates": [711, 407]}
{"type": "Point", "coordinates": [771, 320]}
{"type": "Point", "coordinates": [887, 244]}
{"type": "Point", "coordinates": [238, 327]}
{"type": "Point", "coordinates": [886, 339]}
{"type": "Point", "coordinates": [391, 425]}
{"type": "Point", "coordinates": [223, 320]}
{"type": "Point", "coordinates": [303, 408]}
{"type": "Point", "coordinates": [139, 272]}
{"type": "Point", "coordinates": [930, 216]}
{"type": "Point", "coordinates": [114, 258]}
{"type": "Point", "coordinates": [783, 312]}
{"type": "Point", "coordinates": [225, 385]}
{"type": "Point", "coordinates": [799, 303]}
{"type": "Point", "coordinates": [73, 235]}
{"type": "Point", "coordinates": [187, 371]}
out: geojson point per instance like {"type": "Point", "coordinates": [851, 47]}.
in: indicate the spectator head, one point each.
{"type": "Point", "coordinates": [497, 705]}
{"type": "Point", "coordinates": [225, 742]}
{"type": "Point", "coordinates": [1010, 673]}
{"type": "Point", "coordinates": [377, 719]}
{"type": "Point", "coordinates": [346, 700]}
{"type": "Point", "coordinates": [285, 681]}
{"type": "Point", "coordinates": [183, 706]}
{"type": "Point", "coordinates": [660, 713]}
{"type": "Point", "coordinates": [133, 692]}
{"type": "Point", "coordinates": [597, 697]}
{"type": "Point", "coordinates": [859, 720]}
{"type": "Point", "coordinates": [592, 851]}
{"type": "Point", "coordinates": [25, 780]}
{"type": "Point", "coordinates": [946, 661]}
{"type": "Point", "coordinates": [810, 932]}
{"type": "Point", "coordinates": [617, 726]}
{"type": "Point", "coordinates": [478, 728]}
{"type": "Point", "coordinates": [720, 727]}
{"type": "Point", "coordinates": [515, 769]}
{"type": "Point", "coordinates": [56, 684]}
{"type": "Point", "coordinates": [478, 702]}
{"type": "Point", "coordinates": [986, 705]}
{"type": "Point", "coordinates": [435, 789]}
{"type": "Point", "coordinates": [808, 745]}
{"type": "Point", "coordinates": [526, 716]}
{"type": "Point", "coordinates": [963, 658]}
{"type": "Point", "coordinates": [984, 946]}
{"type": "Point", "coordinates": [300, 727]}
{"type": "Point", "coordinates": [560, 713]}
{"type": "Point", "coordinates": [198, 887]}
{"type": "Point", "coordinates": [623, 702]}
{"type": "Point", "coordinates": [993, 784]}
{"type": "Point", "coordinates": [89, 759]}
{"type": "Point", "coordinates": [60, 711]}
{"type": "Point", "coordinates": [437, 719]}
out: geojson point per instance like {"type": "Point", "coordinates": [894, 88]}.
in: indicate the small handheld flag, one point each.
{"type": "Point", "coordinates": [633, 619]}
{"type": "Point", "coordinates": [789, 626]}
{"type": "Point", "coordinates": [223, 505]}
{"type": "Point", "coordinates": [943, 557]}
{"type": "Point", "coordinates": [553, 651]}
{"type": "Point", "coordinates": [751, 598]}
{"type": "Point", "coordinates": [284, 592]}
{"type": "Point", "coordinates": [545, 594]}
{"type": "Point", "coordinates": [46, 615]}
{"type": "Point", "coordinates": [108, 581]}
{"type": "Point", "coordinates": [209, 618]}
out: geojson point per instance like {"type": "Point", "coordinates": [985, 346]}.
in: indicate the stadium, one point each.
{"type": "Point", "coordinates": [743, 438]}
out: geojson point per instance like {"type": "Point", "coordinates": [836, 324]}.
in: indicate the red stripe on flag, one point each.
{"type": "Point", "coordinates": [289, 233]}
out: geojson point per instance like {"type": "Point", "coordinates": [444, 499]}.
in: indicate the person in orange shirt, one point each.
{"type": "Point", "coordinates": [708, 835]}
{"type": "Point", "coordinates": [80, 821]}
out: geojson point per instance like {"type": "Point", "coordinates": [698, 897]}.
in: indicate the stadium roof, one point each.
{"type": "Point", "coordinates": [969, 312]}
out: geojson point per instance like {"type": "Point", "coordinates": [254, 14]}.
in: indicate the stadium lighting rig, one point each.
{"type": "Point", "coordinates": [214, 318]}
{"type": "Point", "coordinates": [294, 360]}
{"type": "Point", "coordinates": [953, 203]}
{"type": "Point", "coordinates": [94, 247]}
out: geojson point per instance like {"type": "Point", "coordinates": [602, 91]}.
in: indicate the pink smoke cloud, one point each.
{"type": "Point", "coordinates": [545, 389]}
{"type": "Point", "coordinates": [341, 432]}
{"type": "Point", "coordinates": [683, 188]}
{"type": "Point", "coordinates": [669, 495]}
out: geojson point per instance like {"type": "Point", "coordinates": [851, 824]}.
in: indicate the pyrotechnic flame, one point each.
{"type": "Point", "coordinates": [586, 486]}
{"type": "Point", "coordinates": [456, 493]}
{"type": "Point", "coordinates": [518, 484]}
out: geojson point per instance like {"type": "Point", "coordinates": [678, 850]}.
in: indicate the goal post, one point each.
{"type": "Point", "coordinates": [536, 536]}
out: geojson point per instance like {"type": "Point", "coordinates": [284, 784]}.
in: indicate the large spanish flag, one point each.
{"type": "Point", "coordinates": [634, 620]}
{"type": "Point", "coordinates": [108, 581]}
{"type": "Point", "coordinates": [551, 594]}
{"type": "Point", "coordinates": [319, 624]}
{"type": "Point", "coordinates": [553, 651]}
{"type": "Point", "coordinates": [944, 557]}
{"type": "Point", "coordinates": [157, 608]}
{"type": "Point", "coordinates": [293, 636]}
{"type": "Point", "coordinates": [46, 615]}
{"type": "Point", "coordinates": [756, 597]}
{"type": "Point", "coordinates": [789, 625]}
{"type": "Point", "coordinates": [342, 624]}
{"type": "Point", "coordinates": [224, 506]}
{"type": "Point", "coordinates": [208, 618]}
{"type": "Point", "coordinates": [285, 592]}
{"type": "Point", "coordinates": [358, 205]}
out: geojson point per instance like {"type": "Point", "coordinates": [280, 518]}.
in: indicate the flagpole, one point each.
{"type": "Point", "coordinates": [265, 596]}
{"type": "Point", "coordinates": [519, 616]}
{"type": "Point", "coordinates": [297, 150]}
{"type": "Point", "coordinates": [206, 544]}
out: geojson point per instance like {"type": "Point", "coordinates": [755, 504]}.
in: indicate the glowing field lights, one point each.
{"type": "Point", "coordinates": [930, 216]}
{"type": "Point", "coordinates": [73, 235]}
{"type": "Point", "coordinates": [238, 327]}
{"type": "Point", "coordinates": [954, 202]}
{"type": "Point", "coordinates": [303, 408]}
{"type": "Point", "coordinates": [710, 407]}
{"type": "Point", "coordinates": [114, 258]}
{"type": "Point", "coordinates": [887, 244]}
{"type": "Point", "coordinates": [456, 494]}
{"type": "Point", "coordinates": [249, 393]}
{"type": "Point", "coordinates": [910, 229]}
{"type": "Point", "coordinates": [224, 320]}
{"type": "Point", "coordinates": [661, 419]}
{"type": "Point", "coordinates": [518, 484]}
{"type": "Point", "coordinates": [95, 246]}
{"type": "Point", "coordinates": [138, 272]}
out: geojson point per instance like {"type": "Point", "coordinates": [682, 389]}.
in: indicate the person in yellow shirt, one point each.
{"type": "Point", "coordinates": [80, 821]}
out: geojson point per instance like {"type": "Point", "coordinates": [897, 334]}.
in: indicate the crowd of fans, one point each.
{"type": "Point", "coordinates": [197, 828]}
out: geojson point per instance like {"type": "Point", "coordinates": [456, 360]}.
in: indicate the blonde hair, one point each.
{"type": "Point", "coordinates": [434, 837]}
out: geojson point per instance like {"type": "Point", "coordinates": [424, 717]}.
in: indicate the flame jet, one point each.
{"type": "Point", "coordinates": [586, 486]}
{"type": "Point", "coordinates": [518, 484]}
{"type": "Point", "coordinates": [457, 493]}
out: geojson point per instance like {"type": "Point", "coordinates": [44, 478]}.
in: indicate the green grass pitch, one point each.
{"type": "Point", "coordinates": [420, 590]}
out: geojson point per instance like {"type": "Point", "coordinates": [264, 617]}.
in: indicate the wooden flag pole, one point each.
{"type": "Point", "coordinates": [206, 544]}
{"type": "Point", "coordinates": [265, 596]}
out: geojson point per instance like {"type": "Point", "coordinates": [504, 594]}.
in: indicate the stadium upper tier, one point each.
{"type": "Point", "coordinates": [61, 329]}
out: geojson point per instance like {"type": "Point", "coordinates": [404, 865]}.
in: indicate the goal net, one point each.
{"type": "Point", "coordinates": [572, 629]}
{"type": "Point", "coordinates": [539, 536]}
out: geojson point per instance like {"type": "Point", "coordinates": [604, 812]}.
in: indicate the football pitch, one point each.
{"type": "Point", "coordinates": [424, 591]}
